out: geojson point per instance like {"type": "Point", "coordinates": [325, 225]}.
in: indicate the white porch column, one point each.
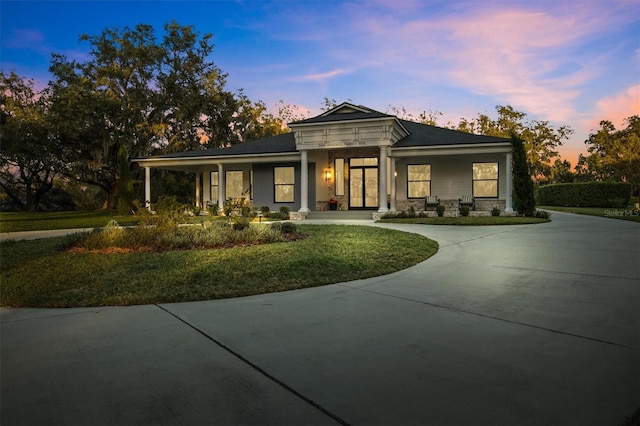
{"type": "Point", "coordinates": [382, 181]}
{"type": "Point", "coordinates": [206, 188]}
{"type": "Point", "coordinates": [147, 188]}
{"type": "Point", "coordinates": [509, 186]}
{"type": "Point", "coordinates": [392, 173]}
{"type": "Point", "coordinates": [304, 182]}
{"type": "Point", "coordinates": [198, 188]}
{"type": "Point", "coordinates": [221, 187]}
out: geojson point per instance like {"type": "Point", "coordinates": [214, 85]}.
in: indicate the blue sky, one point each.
{"type": "Point", "coordinates": [572, 62]}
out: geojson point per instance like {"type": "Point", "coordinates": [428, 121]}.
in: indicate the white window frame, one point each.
{"type": "Point", "coordinates": [289, 184]}
{"type": "Point", "coordinates": [414, 196]}
{"type": "Point", "coordinates": [485, 179]}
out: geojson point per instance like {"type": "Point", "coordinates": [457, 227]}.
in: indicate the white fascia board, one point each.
{"type": "Point", "coordinates": [226, 159]}
{"type": "Point", "coordinates": [489, 148]}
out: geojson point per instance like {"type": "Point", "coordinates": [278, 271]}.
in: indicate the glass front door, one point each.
{"type": "Point", "coordinates": [363, 183]}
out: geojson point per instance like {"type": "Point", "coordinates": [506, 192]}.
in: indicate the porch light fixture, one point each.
{"type": "Point", "coordinates": [327, 175]}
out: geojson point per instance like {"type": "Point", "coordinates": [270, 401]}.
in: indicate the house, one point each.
{"type": "Point", "coordinates": [361, 158]}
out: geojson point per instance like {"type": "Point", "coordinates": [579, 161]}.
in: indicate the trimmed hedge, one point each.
{"type": "Point", "coordinates": [585, 194]}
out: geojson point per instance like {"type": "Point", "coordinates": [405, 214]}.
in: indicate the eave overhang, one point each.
{"type": "Point", "coordinates": [486, 148]}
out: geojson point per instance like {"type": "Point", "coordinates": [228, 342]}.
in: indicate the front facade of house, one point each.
{"type": "Point", "coordinates": [351, 158]}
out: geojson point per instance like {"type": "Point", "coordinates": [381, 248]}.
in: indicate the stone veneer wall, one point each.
{"type": "Point", "coordinates": [482, 205]}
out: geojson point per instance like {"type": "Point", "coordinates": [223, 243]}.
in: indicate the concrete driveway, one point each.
{"type": "Point", "coordinates": [529, 325]}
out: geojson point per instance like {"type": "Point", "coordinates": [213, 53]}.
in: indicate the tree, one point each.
{"type": "Point", "coordinates": [523, 194]}
{"type": "Point", "coordinates": [613, 154]}
{"type": "Point", "coordinates": [430, 118]}
{"type": "Point", "coordinates": [30, 157]}
{"type": "Point", "coordinates": [149, 96]}
{"type": "Point", "coordinates": [561, 172]}
{"type": "Point", "coordinates": [541, 140]}
{"type": "Point", "coordinates": [107, 103]}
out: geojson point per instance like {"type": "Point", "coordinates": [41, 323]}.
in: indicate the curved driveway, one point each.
{"type": "Point", "coordinates": [531, 325]}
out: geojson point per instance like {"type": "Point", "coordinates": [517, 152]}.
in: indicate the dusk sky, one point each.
{"type": "Point", "coordinates": [572, 62]}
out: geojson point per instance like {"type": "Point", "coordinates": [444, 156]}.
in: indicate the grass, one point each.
{"type": "Point", "coordinates": [630, 213]}
{"type": "Point", "coordinates": [15, 222]}
{"type": "Point", "coordinates": [38, 274]}
{"type": "Point", "coordinates": [468, 221]}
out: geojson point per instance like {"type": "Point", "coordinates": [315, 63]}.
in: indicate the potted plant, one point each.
{"type": "Point", "coordinates": [333, 204]}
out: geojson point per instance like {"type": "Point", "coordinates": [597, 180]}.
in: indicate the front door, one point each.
{"type": "Point", "coordinates": [363, 183]}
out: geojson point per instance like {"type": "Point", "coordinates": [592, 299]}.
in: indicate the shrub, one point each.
{"type": "Point", "coordinates": [585, 194]}
{"type": "Point", "coordinates": [440, 210]}
{"type": "Point", "coordinates": [214, 209]}
{"type": "Point", "coordinates": [523, 191]}
{"type": "Point", "coordinates": [288, 228]}
{"type": "Point", "coordinates": [240, 222]}
{"type": "Point", "coordinates": [169, 213]}
{"type": "Point", "coordinates": [277, 216]}
{"type": "Point", "coordinates": [495, 211]}
{"type": "Point", "coordinates": [276, 226]}
{"type": "Point", "coordinates": [464, 210]}
{"type": "Point", "coordinates": [265, 210]}
{"type": "Point", "coordinates": [412, 212]}
{"type": "Point", "coordinates": [284, 210]}
{"type": "Point", "coordinates": [618, 203]}
{"type": "Point", "coordinates": [543, 214]}
{"type": "Point", "coordinates": [218, 234]}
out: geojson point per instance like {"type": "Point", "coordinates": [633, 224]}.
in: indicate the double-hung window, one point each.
{"type": "Point", "coordinates": [284, 184]}
{"type": "Point", "coordinates": [234, 183]}
{"type": "Point", "coordinates": [418, 180]}
{"type": "Point", "coordinates": [485, 180]}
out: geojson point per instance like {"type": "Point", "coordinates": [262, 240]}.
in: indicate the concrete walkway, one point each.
{"type": "Point", "coordinates": [529, 325]}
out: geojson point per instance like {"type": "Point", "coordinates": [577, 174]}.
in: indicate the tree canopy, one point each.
{"type": "Point", "coordinates": [541, 139]}
{"type": "Point", "coordinates": [149, 96]}
{"type": "Point", "coordinates": [613, 154]}
{"type": "Point", "coordinates": [31, 157]}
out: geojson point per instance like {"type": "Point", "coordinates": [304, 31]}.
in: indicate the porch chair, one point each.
{"type": "Point", "coordinates": [467, 200]}
{"type": "Point", "coordinates": [431, 201]}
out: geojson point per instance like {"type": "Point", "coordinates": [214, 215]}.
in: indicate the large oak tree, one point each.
{"type": "Point", "coordinates": [30, 155]}
{"type": "Point", "coordinates": [139, 95]}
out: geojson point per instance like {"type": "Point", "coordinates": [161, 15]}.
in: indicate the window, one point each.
{"type": "Point", "coordinates": [339, 175]}
{"type": "Point", "coordinates": [485, 180]}
{"type": "Point", "coordinates": [363, 162]}
{"type": "Point", "coordinates": [418, 180]}
{"type": "Point", "coordinates": [233, 184]}
{"type": "Point", "coordinates": [214, 187]}
{"type": "Point", "coordinates": [284, 184]}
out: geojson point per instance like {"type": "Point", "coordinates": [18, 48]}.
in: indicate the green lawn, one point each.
{"type": "Point", "coordinates": [14, 222]}
{"type": "Point", "coordinates": [39, 274]}
{"type": "Point", "coordinates": [630, 213]}
{"type": "Point", "coordinates": [468, 221]}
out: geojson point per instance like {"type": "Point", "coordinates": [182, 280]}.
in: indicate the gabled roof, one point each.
{"type": "Point", "coordinates": [344, 112]}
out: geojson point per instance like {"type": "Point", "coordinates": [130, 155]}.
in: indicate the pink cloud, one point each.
{"type": "Point", "coordinates": [617, 108]}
